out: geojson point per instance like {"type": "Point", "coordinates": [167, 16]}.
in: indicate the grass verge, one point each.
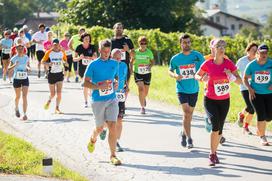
{"type": "Point", "coordinates": [163, 88]}
{"type": "Point", "coordinates": [20, 157]}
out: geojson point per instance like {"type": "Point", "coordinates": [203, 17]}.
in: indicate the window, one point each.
{"type": "Point", "coordinates": [233, 27]}
{"type": "Point", "coordinates": [211, 18]}
{"type": "Point", "coordinates": [217, 19]}
{"type": "Point", "coordinates": [240, 26]}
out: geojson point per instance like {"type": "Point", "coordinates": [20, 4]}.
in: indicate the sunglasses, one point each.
{"type": "Point", "coordinates": [143, 43]}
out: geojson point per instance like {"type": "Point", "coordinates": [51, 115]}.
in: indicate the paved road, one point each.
{"type": "Point", "coordinates": [153, 150]}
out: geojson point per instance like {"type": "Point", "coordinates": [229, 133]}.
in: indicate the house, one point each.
{"type": "Point", "coordinates": [233, 24]}
{"type": "Point", "coordinates": [49, 19]}
{"type": "Point", "coordinates": [211, 28]}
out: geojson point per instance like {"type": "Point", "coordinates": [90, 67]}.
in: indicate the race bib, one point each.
{"type": "Point", "coordinates": [21, 75]}
{"type": "Point", "coordinates": [187, 71]}
{"type": "Point", "coordinates": [85, 62]}
{"type": "Point", "coordinates": [56, 67]}
{"type": "Point", "coordinates": [121, 97]}
{"type": "Point", "coordinates": [6, 50]}
{"type": "Point", "coordinates": [123, 55]}
{"type": "Point", "coordinates": [68, 52]}
{"type": "Point", "coordinates": [143, 69]}
{"type": "Point", "coordinates": [221, 87]}
{"type": "Point", "coordinates": [105, 92]}
{"type": "Point", "coordinates": [262, 77]}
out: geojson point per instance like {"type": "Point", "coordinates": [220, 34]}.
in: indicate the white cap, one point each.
{"type": "Point", "coordinates": [25, 27]}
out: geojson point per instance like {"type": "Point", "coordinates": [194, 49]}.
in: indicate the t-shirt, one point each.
{"type": "Point", "coordinates": [28, 36]}
{"type": "Point", "coordinates": [218, 84]}
{"type": "Point", "coordinates": [76, 41]}
{"type": "Point", "coordinates": [122, 75]}
{"type": "Point", "coordinates": [14, 51]}
{"type": "Point", "coordinates": [87, 52]}
{"type": "Point", "coordinates": [56, 58]}
{"type": "Point", "coordinates": [241, 65]}
{"type": "Point", "coordinates": [100, 71]}
{"type": "Point", "coordinates": [20, 71]}
{"type": "Point", "coordinates": [64, 45]}
{"type": "Point", "coordinates": [118, 43]}
{"type": "Point", "coordinates": [143, 61]}
{"type": "Point", "coordinates": [47, 45]}
{"type": "Point", "coordinates": [187, 66]}
{"type": "Point", "coordinates": [24, 40]}
{"type": "Point", "coordinates": [261, 78]}
{"type": "Point", "coordinates": [13, 36]}
{"type": "Point", "coordinates": [6, 45]}
{"type": "Point", "coordinates": [39, 36]}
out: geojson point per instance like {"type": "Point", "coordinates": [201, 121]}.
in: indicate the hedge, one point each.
{"type": "Point", "coordinates": [165, 45]}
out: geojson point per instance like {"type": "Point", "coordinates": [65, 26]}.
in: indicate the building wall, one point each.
{"type": "Point", "coordinates": [210, 31]}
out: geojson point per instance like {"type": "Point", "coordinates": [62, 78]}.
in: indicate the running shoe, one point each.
{"type": "Point", "coordinates": [183, 140]}
{"type": "Point", "coordinates": [68, 80]}
{"type": "Point", "coordinates": [4, 78]}
{"type": "Point", "coordinates": [208, 125]}
{"type": "Point", "coordinates": [10, 82]}
{"type": "Point", "coordinates": [222, 140]}
{"type": "Point", "coordinates": [103, 134]}
{"type": "Point", "coordinates": [86, 105]}
{"type": "Point", "coordinates": [76, 79]}
{"type": "Point", "coordinates": [91, 146]}
{"type": "Point", "coordinates": [119, 148]}
{"type": "Point", "coordinates": [212, 160]}
{"type": "Point", "coordinates": [190, 143]}
{"type": "Point", "coordinates": [57, 111]}
{"type": "Point", "coordinates": [17, 113]}
{"type": "Point", "coordinates": [247, 131]}
{"type": "Point", "coordinates": [142, 110]}
{"type": "Point", "coordinates": [264, 141]}
{"type": "Point", "coordinates": [240, 120]}
{"type": "Point", "coordinates": [115, 161]}
{"type": "Point", "coordinates": [216, 158]}
{"type": "Point", "coordinates": [47, 104]}
{"type": "Point", "coordinates": [25, 118]}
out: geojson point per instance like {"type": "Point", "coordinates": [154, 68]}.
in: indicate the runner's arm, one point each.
{"type": "Point", "coordinates": [90, 85]}
{"type": "Point", "coordinates": [174, 75]}
{"type": "Point", "coordinates": [70, 44]}
{"type": "Point", "coordinates": [250, 89]}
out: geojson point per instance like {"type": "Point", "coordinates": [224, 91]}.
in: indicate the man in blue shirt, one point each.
{"type": "Point", "coordinates": [101, 75]}
{"type": "Point", "coordinates": [183, 67]}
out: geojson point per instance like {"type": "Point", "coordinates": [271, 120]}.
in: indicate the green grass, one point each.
{"type": "Point", "coordinates": [20, 157]}
{"type": "Point", "coordinates": [163, 88]}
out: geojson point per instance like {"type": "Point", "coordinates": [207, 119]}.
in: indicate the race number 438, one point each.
{"type": "Point", "coordinates": [262, 77]}
{"type": "Point", "coordinates": [187, 71]}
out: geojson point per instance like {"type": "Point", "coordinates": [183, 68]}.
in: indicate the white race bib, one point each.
{"type": "Point", "coordinates": [85, 62]}
{"type": "Point", "coordinates": [105, 92]}
{"type": "Point", "coordinates": [21, 75]}
{"type": "Point", "coordinates": [121, 97]}
{"type": "Point", "coordinates": [6, 50]}
{"type": "Point", "coordinates": [56, 67]}
{"type": "Point", "coordinates": [262, 77]}
{"type": "Point", "coordinates": [123, 55]}
{"type": "Point", "coordinates": [143, 69]}
{"type": "Point", "coordinates": [68, 52]}
{"type": "Point", "coordinates": [221, 87]}
{"type": "Point", "coordinates": [187, 71]}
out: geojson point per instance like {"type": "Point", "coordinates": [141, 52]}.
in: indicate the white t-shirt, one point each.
{"type": "Point", "coordinates": [39, 36]}
{"type": "Point", "coordinates": [25, 40]}
{"type": "Point", "coordinates": [241, 65]}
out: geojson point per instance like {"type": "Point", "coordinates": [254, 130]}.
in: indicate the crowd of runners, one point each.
{"type": "Point", "coordinates": [105, 73]}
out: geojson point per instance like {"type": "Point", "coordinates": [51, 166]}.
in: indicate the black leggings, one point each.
{"type": "Point", "coordinates": [249, 107]}
{"type": "Point", "coordinates": [263, 106]}
{"type": "Point", "coordinates": [70, 63]}
{"type": "Point", "coordinates": [217, 111]}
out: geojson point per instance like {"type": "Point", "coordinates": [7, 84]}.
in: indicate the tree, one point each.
{"type": "Point", "coordinates": [170, 15]}
{"type": "Point", "coordinates": [267, 30]}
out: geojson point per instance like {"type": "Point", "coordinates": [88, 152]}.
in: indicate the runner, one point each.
{"type": "Point", "coordinates": [14, 34]}
{"type": "Point", "coordinates": [55, 58]}
{"type": "Point", "coordinates": [248, 112]}
{"type": "Point", "coordinates": [14, 48]}
{"type": "Point", "coordinates": [183, 67]}
{"type": "Point", "coordinates": [143, 61]}
{"type": "Point", "coordinates": [208, 124]}
{"type": "Point", "coordinates": [217, 73]}
{"type": "Point", "coordinates": [73, 44]}
{"type": "Point", "coordinates": [20, 66]}
{"type": "Point", "coordinates": [29, 37]}
{"type": "Point", "coordinates": [32, 47]}
{"type": "Point", "coordinates": [38, 38]}
{"type": "Point", "coordinates": [116, 54]}
{"type": "Point", "coordinates": [6, 44]}
{"type": "Point", "coordinates": [69, 54]}
{"type": "Point", "coordinates": [84, 54]}
{"type": "Point", "coordinates": [48, 44]}
{"type": "Point", "coordinates": [260, 89]}
{"type": "Point", "coordinates": [101, 76]}
{"type": "Point", "coordinates": [23, 37]}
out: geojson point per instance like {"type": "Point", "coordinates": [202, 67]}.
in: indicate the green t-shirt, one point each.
{"type": "Point", "coordinates": [76, 41]}
{"type": "Point", "coordinates": [142, 61]}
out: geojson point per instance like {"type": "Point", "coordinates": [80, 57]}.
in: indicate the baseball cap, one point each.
{"type": "Point", "coordinates": [15, 29]}
{"type": "Point", "coordinates": [19, 45]}
{"type": "Point", "coordinates": [56, 41]}
{"type": "Point", "coordinates": [25, 27]}
{"type": "Point", "coordinates": [263, 48]}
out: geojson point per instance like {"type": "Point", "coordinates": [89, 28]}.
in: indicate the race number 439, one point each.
{"type": "Point", "coordinates": [262, 77]}
{"type": "Point", "coordinates": [221, 87]}
{"type": "Point", "coordinates": [187, 71]}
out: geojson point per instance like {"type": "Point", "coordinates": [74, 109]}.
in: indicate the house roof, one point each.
{"type": "Point", "coordinates": [47, 15]}
{"type": "Point", "coordinates": [33, 23]}
{"type": "Point", "coordinates": [212, 12]}
{"type": "Point", "coordinates": [213, 24]}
